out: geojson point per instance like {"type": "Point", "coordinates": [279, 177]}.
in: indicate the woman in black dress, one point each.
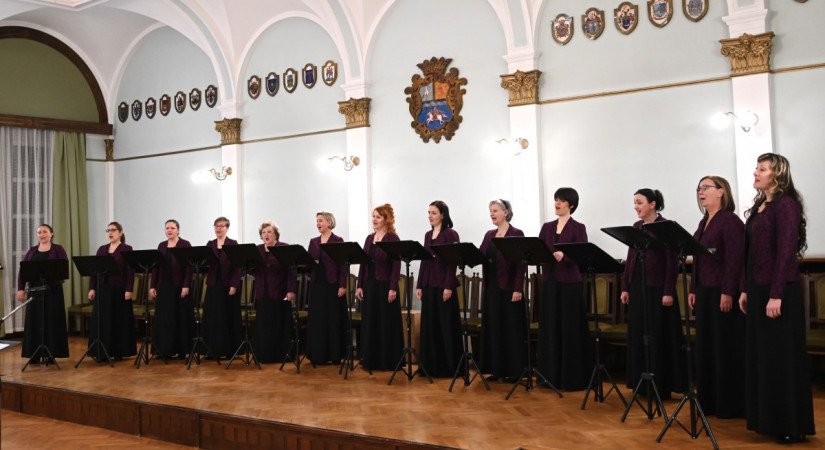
{"type": "Point", "coordinates": [777, 371]}
{"type": "Point", "coordinates": [46, 315]}
{"type": "Point", "coordinates": [441, 346]}
{"type": "Point", "coordinates": [113, 301]}
{"type": "Point", "coordinates": [173, 326]}
{"type": "Point", "coordinates": [564, 353]}
{"type": "Point", "coordinates": [222, 329]}
{"type": "Point", "coordinates": [274, 294]}
{"type": "Point", "coordinates": [326, 327]}
{"type": "Point", "coordinates": [382, 338]}
{"type": "Point", "coordinates": [720, 327]}
{"type": "Point", "coordinates": [503, 327]}
{"type": "Point", "coordinates": [667, 361]}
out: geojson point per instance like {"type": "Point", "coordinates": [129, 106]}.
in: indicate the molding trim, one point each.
{"type": "Point", "coordinates": [749, 54]}
{"type": "Point", "coordinates": [110, 149]}
{"type": "Point", "coordinates": [45, 123]}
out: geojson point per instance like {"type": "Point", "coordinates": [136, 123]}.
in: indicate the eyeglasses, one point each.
{"type": "Point", "coordinates": [112, 230]}
{"type": "Point", "coordinates": [705, 187]}
{"type": "Point", "coordinates": [220, 225]}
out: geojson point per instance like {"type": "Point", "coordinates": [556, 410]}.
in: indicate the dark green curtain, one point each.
{"type": "Point", "coordinates": [70, 207]}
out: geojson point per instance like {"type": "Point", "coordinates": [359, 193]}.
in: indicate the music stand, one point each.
{"type": "Point", "coordinates": [199, 258]}
{"type": "Point", "coordinates": [463, 254]}
{"type": "Point", "coordinates": [407, 251]}
{"type": "Point", "coordinates": [247, 258]}
{"type": "Point", "coordinates": [676, 238]}
{"type": "Point", "coordinates": [144, 261]}
{"type": "Point", "coordinates": [347, 253]}
{"type": "Point", "coordinates": [592, 260]}
{"type": "Point", "coordinates": [641, 242]}
{"type": "Point", "coordinates": [528, 251]}
{"type": "Point", "coordinates": [300, 261]}
{"type": "Point", "coordinates": [96, 266]}
{"type": "Point", "coordinates": [40, 273]}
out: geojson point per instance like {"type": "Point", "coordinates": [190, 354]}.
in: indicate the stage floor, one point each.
{"type": "Point", "coordinates": [363, 404]}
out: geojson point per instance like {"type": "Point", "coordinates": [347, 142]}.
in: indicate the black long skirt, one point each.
{"type": "Point", "coordinates": [564, 353]}
{"type": "Point", "coordinates": [503, 352]}
{"type": "Point", "coordinates": [222, 330]}
{"type": "Point", "coordinates": [117, 322]}
{"type": "Point", "coordinates": [326, 325]}
{"type": "Point", "coordinates": [441, 346]}
{"type": "Point", "coordinates": [53, 324]}
{"type": "Point", "coordinates": [667, 359]}
{"type": "Point", "coordinates": [273, 329]}
{"type": "Point", "coordinates": [720, 355]}
{"type": "Point", "coordinates": [777, 372]}
{"type": "Point", "coordinates": [382, 334]}
{"type": "Point", "coordinates": [173, 326]}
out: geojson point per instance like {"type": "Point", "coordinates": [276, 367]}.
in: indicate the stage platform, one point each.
{"type": "Point", "coordinates": [243, 407]}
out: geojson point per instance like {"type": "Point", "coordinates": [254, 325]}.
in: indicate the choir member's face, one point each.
{"type": "Point", "coordinates": [44, 235]}
{"type": "Point", "coordinates": [763, 176]}
{"type": "Point", "coordinates": [562, 207]}
{"type": "Point", "coordinates": [172, 231]}
{"type": "Point", "coordinates": [113, 233]}
{"type": "Point", "coordinates": [268, 236]}
{"type": "Point", "coordinates": [644, 209]}
{"type": "Point", "coordinates": [498, 214]}
{"type": "Point", "coordinates": [435, 217]}
{"type": "Point", "coordinates": [322, 223]}
{"type": "Point", "coordinates": [710, 196]}
{"type": "Point", "coordinates": [220, 229]}
{"type": "Point", "coordinates": [378, 221]}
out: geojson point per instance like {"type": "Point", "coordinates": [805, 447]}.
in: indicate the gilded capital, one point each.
{"type": "Point", "coordinates": [749, 54]}
{"type": "Point", "coordinates": [523, 87]}
{"type": "Point", "coordinates": [110, 149]}
{"type": "Point", "coordinates": [230, 130]}
{"type": "Point", "coordinates": [356, 111]}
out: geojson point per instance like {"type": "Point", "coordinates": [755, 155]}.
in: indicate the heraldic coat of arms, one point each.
{"type": "Point", "coordinates": [436, 100]}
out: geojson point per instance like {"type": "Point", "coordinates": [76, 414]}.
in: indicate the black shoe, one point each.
{"type": "Point", "coordinates": [491, 378]}
{"type": "Point", "coordinates": [790, 439]}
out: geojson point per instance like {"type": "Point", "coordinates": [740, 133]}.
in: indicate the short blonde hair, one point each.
{"type": "Point", "coordinates": [270, 223]}
{"type": "Point", "coordinates": [330, 218]}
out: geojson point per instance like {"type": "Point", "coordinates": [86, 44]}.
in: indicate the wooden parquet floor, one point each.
{"type": "Point", "coordinates": [469, 417]}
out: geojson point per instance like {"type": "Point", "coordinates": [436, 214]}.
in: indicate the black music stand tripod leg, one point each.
{"type": "Point", "coordinates": [466, 360]}
{"type": "Point", "coordinates": [38, 353]}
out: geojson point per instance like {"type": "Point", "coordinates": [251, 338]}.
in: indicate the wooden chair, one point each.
{"type": "Point", "coordinates": [813, 290]}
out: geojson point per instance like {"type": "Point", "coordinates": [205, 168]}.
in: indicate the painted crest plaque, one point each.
{"type": "Point", "coordinates": [659, 12]}
{"type": "Point", "coordinates": [180, 102]}
{"type": "Point", "coordinates": [330, 72]}
{"type": "Point", "coordinates": [122, 112]}
{"type": "Point", "coordinates": [137, 110]}
{"type": "Point", "coordinates": [151, 107]}
{"type": "Point", "coordinates": [310, 75]}
{"type": "Point", "coordinates": [562, 29]}
{"type": "Point", "coordinates": [695, 10]}
{"type": "Point", "coordinates": [211, 96]}
{"type": "Point", "coordinates": [436, 100]}
{"type": "Point", "coordinates": [253, 86]}
{"type": "Point", "coordinates": [165, 104]}
{"type": "Point", "coordinates": [273, 83]}
{"type": "Point", "coordinates": [627, 17]}
{"type": "Point", "coordinates": [593, 23]}
{"type": "Point", "coordinates": [195, 99]}
{"type": "Point", "coordinates": [290, 80]}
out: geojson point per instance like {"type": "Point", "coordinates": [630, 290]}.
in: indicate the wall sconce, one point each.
{"type": "Point", "coordinates": [220, 176]}
{"type": "Point", "coordinates": [745, 120]}
{"type": "Point", "coordinates": [349, 161]}
{"type": "Point", "coordinates": [519, 144]}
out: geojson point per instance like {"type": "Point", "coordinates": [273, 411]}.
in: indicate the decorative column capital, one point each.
{"type": "Point", "coordinates": [110, 149]}
{"type": "Point", "coordinates": [230, 130]}
{"type": "Point", "coordinates": [523, 87]}
{"type": "Point", "coordinates": [356, 111]}
{"type": "Point", "coordinates": [749, 54]}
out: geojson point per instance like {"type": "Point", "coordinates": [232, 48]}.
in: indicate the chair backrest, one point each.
{"type": "Point", "coordinates": [302, 296]}
{"type": "Point", "coordinates": [402, 284]}
{"type": "Point", "coordinates": [138, 292]}
{"type": "Point", "coordinates": [532, 287]}
{"type": "Point", "coordinates": [607, 298]}
{"type": "Point", "coordinates": [813, 286]}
